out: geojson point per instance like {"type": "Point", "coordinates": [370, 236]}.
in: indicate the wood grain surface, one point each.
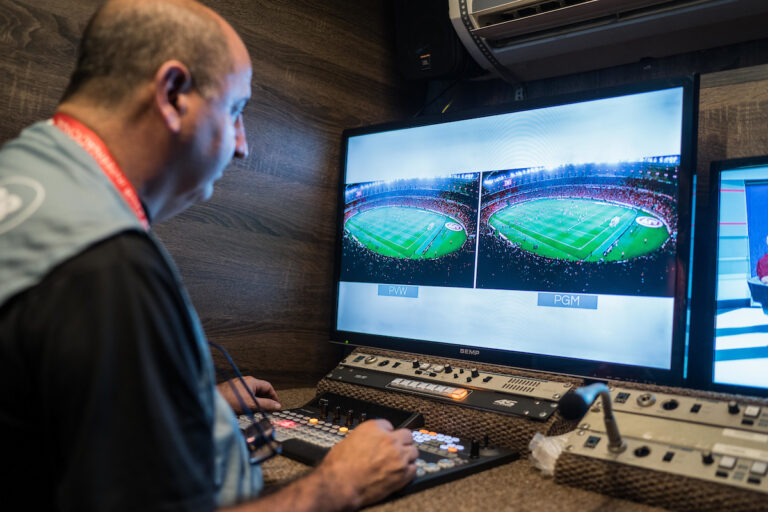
{"type": "Point", "coordinates": [257, 258]}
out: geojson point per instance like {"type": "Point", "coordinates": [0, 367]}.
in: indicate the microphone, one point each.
{"type": "Point", "coordinates": [574, 405]}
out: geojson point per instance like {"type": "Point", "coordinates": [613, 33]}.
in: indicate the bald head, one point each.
{"type": "Point", "coordinates": [126, 41]}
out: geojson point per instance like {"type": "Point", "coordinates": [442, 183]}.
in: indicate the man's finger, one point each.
{"type": "Point", "coordinates": [269, 405]}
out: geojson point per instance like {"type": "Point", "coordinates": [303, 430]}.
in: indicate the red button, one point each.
{"type": "Point", "coordinates": [287, 424]}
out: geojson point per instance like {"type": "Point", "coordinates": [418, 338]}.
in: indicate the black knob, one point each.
{"type": "Point", "coordinates": [707, 458]}
{"type": "Point", "coordinates": [337, 413]}
{"type": "Point", "coordinates": [448, 368]}
{"type": "Point", "coordinates": [474, 449]}
{"type": "Point", "coordinates": [733, 407]}
{"type": "Point", "coordinates": [363, 416]}
{"type": "Point", "coordinates": [350, 416]}
{"type": "Point", "coordinates": [475, 373]}
{"type": "Point", "coordinates": [323, 403]}
{"type": "Point", "coordinates": [486, 441]}
{"type": "Point", "coordinates": [415, 363]}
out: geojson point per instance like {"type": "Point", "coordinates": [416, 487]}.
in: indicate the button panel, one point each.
{"type": "Point", "coordinates": [430, 389]}
{"type": "Point", "coordinates": [448, 373]}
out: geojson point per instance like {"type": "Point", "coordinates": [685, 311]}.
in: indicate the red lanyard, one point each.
{"type": "Point", "coordinates": [95, 147]}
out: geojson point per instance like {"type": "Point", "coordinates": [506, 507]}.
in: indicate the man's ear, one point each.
{"type": "Point", "coordinates": [173, 82]}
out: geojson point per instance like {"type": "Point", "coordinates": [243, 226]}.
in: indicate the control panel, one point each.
{"type": "Point", "coordinates": [711, 440]}
{"type": "Point", "coordinates": [308, 432]}
{"type": "Point", "coordinates": [471, 387]}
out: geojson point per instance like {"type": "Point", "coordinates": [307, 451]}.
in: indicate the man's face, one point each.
{"type": "Point", "coordinates": [218, 133]}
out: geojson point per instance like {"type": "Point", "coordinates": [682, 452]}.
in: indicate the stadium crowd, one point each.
{"type": "Point", "coordinates": [504, 266]}
{"type": "Point", "coordinates": [364, 265]}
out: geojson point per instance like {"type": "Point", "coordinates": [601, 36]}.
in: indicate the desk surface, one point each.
{"type": "Point", "coordinates": [514, 486]}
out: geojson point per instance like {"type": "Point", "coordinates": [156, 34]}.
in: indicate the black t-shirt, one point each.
{"type": "Point", "coordinates": [98, 401]}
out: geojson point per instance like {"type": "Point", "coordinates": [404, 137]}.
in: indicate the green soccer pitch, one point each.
{"type": "Point", "coordinates": [406, 232]}
{"type": "Point", "coordinates": [579, 229]}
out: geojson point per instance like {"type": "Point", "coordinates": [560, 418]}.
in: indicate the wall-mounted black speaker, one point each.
{"type": "Point", "coordinates": [426, 44]}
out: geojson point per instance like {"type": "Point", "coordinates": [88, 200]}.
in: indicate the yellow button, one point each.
{"type": "Point", "coordinates": [343, 429]}
{"type": "Point", "coordinates": [433, 433]}
{"type": "Point", "coordinates": [424, 431]}
{"type": "Point", "coordinates": [313, 420]}
{"type": "Point", "coordinates": [452, 449]}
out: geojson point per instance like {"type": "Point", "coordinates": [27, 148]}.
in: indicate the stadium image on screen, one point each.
{"type": "Point", "coordinates": [411, 231]}
{"type": "Point", "coordinates": [741, 321]}
{"type": "Point", "coordinates": [590, 228]}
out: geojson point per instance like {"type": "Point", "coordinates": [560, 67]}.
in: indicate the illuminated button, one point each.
{"type": "Point", "coordinates": [423, 431]}
{"type": "Point", "coordinates": [433, 434]}
{"type": "Point", "coordinates": [727, 462]}
{"type": "Point", "coordinates": [287, 423]}
{"type": "Point", "coordinates": [314, 421]}
{"type": "Point", "coordinates": [343, 430]}
{"type": "Point", "coordinates": [459, 394]}
{"type": "Point", "coordinates": [752, 411]}
{"type": "Point", "coordinates": [759, 468]}
{"type": "Point", "coordinates": [452, 449]}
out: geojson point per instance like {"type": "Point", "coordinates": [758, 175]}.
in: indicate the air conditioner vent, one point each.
{"type": "Point", "coordinates": [530, 39]}
{"type": "Point", "coordinates": [526, 11]}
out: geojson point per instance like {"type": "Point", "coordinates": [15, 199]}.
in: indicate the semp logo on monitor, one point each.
{"type": "Point", "coordinates": [469, 352]}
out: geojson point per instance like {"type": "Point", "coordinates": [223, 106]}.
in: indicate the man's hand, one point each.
{"type": "Point", "coordinates": [261, 389]}
{"type": "Point", "coordinates": [371, 463]}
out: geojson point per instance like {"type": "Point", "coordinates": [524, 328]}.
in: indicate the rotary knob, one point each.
{"type": "Point", "coordinates": [733, 407]}
{"type": "Point", "coordinates": [707, 458]}
{"type": "Point", "coordinates": [415, 363]}
{"type": "Point", "coordinates": [350, 416]}
{"type": "Point", "coordinates": [475, 373]}
{"type": "Point", "coordinates": [448, 368]}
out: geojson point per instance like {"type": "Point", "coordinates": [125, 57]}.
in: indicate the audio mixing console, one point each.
{"type": "Point", "coordinates": [674, 450]}
{"type": "Point", "coordinates": [309, 432]}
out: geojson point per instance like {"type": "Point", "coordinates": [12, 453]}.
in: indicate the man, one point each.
{"type": "Point", "coordinates": [762, 266]}
{"type": "Point", "coordinates": [107, 397]}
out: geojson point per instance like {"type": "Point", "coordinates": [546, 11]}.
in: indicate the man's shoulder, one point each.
{"type": "Point", "coordinates": [129, 258]}
{"type": "Point", "coordinates": [128, 250]}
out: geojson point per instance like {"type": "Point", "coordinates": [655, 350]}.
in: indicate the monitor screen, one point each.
{"type": "Point", "coordinates": [734, 320]}
{"type": "Point", "coordinates": [549, 236]}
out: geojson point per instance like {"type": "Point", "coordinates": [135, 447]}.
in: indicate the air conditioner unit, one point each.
{"type": "Point", "coordinates": [529, 39]}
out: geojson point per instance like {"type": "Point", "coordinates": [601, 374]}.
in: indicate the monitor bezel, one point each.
{"type": "Point", "coordinates": [537, 362]}
{"type": "Point", "coordinates": [701, 368]}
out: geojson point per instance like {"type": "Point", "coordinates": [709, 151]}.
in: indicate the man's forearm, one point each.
{"type": "Point", "coordinates": [317, 492]}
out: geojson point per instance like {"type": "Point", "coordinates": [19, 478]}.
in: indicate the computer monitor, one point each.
{"type": "Point", "coordinates": [548, 235]}
{"type": "Point", "coordinates": [729, 328]}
